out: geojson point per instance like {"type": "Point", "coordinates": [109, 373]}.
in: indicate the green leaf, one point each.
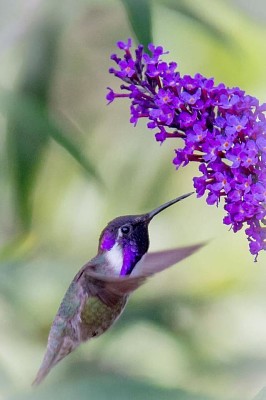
{"type": "Point", "coordinates": [188, 10]}
{"type": "Point", "coordinates": [25, 145]}
{"type": "Point", "coordinates": [25, 148]}
{"type": "Point", "coordinates": [29, 125]}
{"type": "Point", "coordinates": [17, 248]}
{"type": "Point", "coordinates": [33, 118]}
{"type": "Point", "coordinates": [139, 15]}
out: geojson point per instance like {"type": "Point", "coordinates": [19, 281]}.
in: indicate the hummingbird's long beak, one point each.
{"type": "Point", "coordinates": [157, 210]}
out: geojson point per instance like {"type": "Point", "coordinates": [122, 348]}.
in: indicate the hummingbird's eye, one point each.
{"type": "Point", "coordinates": [125, 229]}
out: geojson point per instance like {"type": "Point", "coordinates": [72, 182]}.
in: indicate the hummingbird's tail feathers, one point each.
{"type": "Point", "coordinates": [160, 260]}
{"type": "Point", "coordinates": [52, 357]}
{"type": "Point", "coordinates": [47, 364]}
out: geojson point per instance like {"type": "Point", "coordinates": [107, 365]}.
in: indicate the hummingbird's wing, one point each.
{"type": "Point", "coordinates": [158, 261]}
{"type": "Point", "coordinates": [108, 288]}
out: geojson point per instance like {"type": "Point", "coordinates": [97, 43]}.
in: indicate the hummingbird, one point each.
{"type": "Point", "coordinates": [100, 290]}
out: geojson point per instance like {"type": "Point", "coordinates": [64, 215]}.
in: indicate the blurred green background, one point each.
{"type": "Point", "coordinates": [69, 164]}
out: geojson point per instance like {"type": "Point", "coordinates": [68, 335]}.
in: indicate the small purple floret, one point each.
{"type": "Point", "coordinates": [223, 129]}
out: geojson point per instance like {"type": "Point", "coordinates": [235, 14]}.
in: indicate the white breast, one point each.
{"type": "Point", "coordinates": [114, 258]}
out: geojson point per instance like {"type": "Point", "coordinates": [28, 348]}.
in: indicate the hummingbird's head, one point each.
{"type": "Point", "coordinates": [126, 239]}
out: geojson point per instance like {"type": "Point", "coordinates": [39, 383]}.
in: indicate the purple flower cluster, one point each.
{"type": "Point", "coordinates": [221, 128]}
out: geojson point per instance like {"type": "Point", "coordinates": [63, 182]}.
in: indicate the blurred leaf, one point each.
{"type": "Point", "coordinates": [139, 15]}
{"type": "Point", "coordinates": [30, 132]}
{"type": "Point", "coordinates": [31, 113]}
{"type": "Point", "coordinates": [261, 395]}
{"type": "Point", "coordinates": [188, 9]}
{"type": "Point", "coordinates": [25, 145]}
{"type": "Point", "coordinates": [17, 248]}
{"type": "Point", "coordinates": [103, 387]}
{"type": "Point", "coordinates": [30, 127]}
